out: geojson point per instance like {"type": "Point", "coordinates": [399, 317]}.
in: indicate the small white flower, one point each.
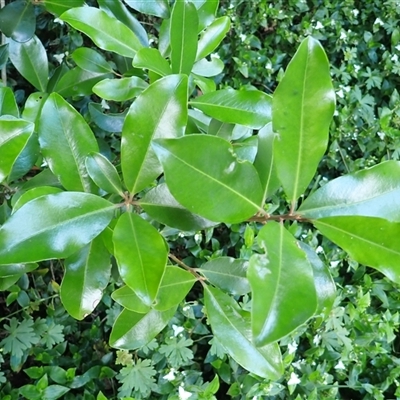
{"type": "Point", "coordinates": [242, 37]}
{"type": "Point", "coordinates": [294, 379]}
{"type": "Point", "coordinates": [343, 35]}
{"type": "Point", "coordinates": [319, 250]}
{"type": "Point", "coordinates": [340, 365]}
{"type": "Point", "coordinates": [268, 65]}
{"type": "Point", "coordinates": [319, 25]}
{"type": "Point", "coordinates": [356, 67]}
{"type": "Point", "coordinates": [317, 339]}
{"type": "Point", "coordinates": [170, 376]}
{"type": "Point", "coordinates": [397, 47]}
{"type": "Point", "coordinates": [183, 394]}
{"type": "Point", "coordinates": [381, 135]}
{"type": "Point", "coordinates": [104, 105]}
{"type": "Point", "coordinates": [394, 58]}
{"type": "Point", "coordinates": [59, 57]}
{"type": "Point", "coordinates": [355, 12]}
{"type": "Point", "coordinates": [177, 329]}
{"type": "Point", "coordinates": [340, 93]}
{"type": "Point", "coordinates": [292, 347]}
{"type": "Point", "coordinates": [378, 21]}
{"type": "Point", "coordinates": [58, 21]}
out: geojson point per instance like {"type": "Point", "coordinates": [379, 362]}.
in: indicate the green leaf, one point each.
{"type": "Point", "coordinates": [106, 32]}
{"type": "Point", "coordinates": [128, 299]}
{"type": "Point", "coordinates": [141, 255]}
{"type": "Point", "coordinates": [133, 330]}
{"type": "Point", "coordinates": [264, 162]}
{"type": "Point", "coordinates": [183, 37]}
{"type": "Point", "coordinates": [206, 10]}
{"type": "Point", "coordinates": [103, 173]}
{"type": "Point", "coordinates": [108, 122]}
{"type": "Point", "coordinates": [177, 351]}
{"type": "Point", "coordinates": [207, 68]}
{"type": "Point", "coordinates": [30, 60]}
{"type": "Point", "coordinates": [16, 269]}
{"type": "Point", "coordinates": [8, 105]}
{"type": "Point", "coordinates": [282, 285]}
{"type": "Point", "coordinates": [370, 193]}
{"type": "Point", "coordinates": [7, 281]}
{"type": "Point", "coordinates": [33, 106]}
{"type": "Point", "coordinates": [53, 392]}
{"type": "Point", "coordinates": [209, 163]}
{"type": "Point", "coordinates": [251, 108]}
{"type": "Point", "coordinates": [90, 60]}
{"type": "Point", "coordinates": [368, 240]}
{"type": "Point", "coordinates": [231, 326]}
{"type": "Point", "coordinates": [57, 7]}
{"type": "Point", "coordinates": [53, 226]}
{"type": "Point", "coordinates": [212, 36]}
{"type": "Point", "coordinates": [153, 60]}
{"type": "Point", "coordinates": [4, 54]}
{"type": "Point", "coordinates": [120, 89]}
{"type": "Point", "coordinates": [162, 206]}
{"type": "Point", "coordinates": [33, 194]}
{"type": "Point", "coordinates": [87, 274]}
{"type": "Point", "coordinates": [303, 106]}
{"type": "Point", "coordinates": [227, 273]}
{"type": "Point", "coordinates": [246, 150]}
{"type": "Point", "coordinates": [167, 100]}
{"type": "Point", "coordinates": [66, 139]}
{"type": "Point", "coordinates": [18, 20]}
{"type": "Point", "coordinates": [204, 84]}
{"type": "Point", "coordinates": [158, 8]}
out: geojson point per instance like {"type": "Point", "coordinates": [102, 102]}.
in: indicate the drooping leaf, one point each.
{"type": "Point", "coordinates": [53, 226]}
{"type": "Point", "coordinates": [227, 273]}
{"type": "Point", "coordinates": [109, 122]}
{"type": "Point", "coordinates": [33, 194]}
{"type": "Point", "coordinates": [282, 284]}
{"type": "Point", "coordinates": [368, 240]}
{"type": "Point", "coordinates": [207, 68]}
{"type": "Point", "coordinates": [303, 106]}
{"type": "Point", "coordinates": [30, 60]}
{"type": "Point", "coordinates": [87, 274]}
{"type": "Point", "coordinates": [16, 269]}
{"type": "Point", "coordinates": [133, 330]}
{"type": "Point", "coordinates": [153, 60]}
{"type": "Point", "coordinates": [141, 255]}
{"type": "Point", "coordinates": [8, 105]}
{"type": "Point", "coordinates": [183, 37]}
{"type": "Point", "coordinates": [57, 7]}
{"type": "Point", "coordinates": [159, 112]}
{"type": "Point", "coordinates": [232, 328]}
{"type": "Point", "coordinates": [90, 60]}
{"type": "Point", "coordinates": [162, 206]}
{"type": "Point", "coordinates": [158, 8]}
{"type": "Point", "coordinates": [370, 193]}
{"type": "Point", "coordinates": [208, 162]}
{"type": "Point", "coordinates": [120, 89]}
{"type": "Point", "coordinates": [66, 139]}
{"type": "Point", "coordinates": [106, 32]}
{"type": "Point", "coordinates": [251, 108]}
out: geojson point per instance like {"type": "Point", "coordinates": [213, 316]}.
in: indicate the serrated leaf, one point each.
{"type": "Point", "coordinates": [177, 351]}
{"type": "Point", "coordinates": [167, 101]}
{"type": "Point", "coordinates": [53, 226]}
{"type": "Point", "coordinates": [251, 108]}
{"type": "Point", "coordinates": [120, 89]}
{"type": "Point", "coordinates": [8, 105]}
{"type": "Point", "coordinates": [90, 60]}
{"type": "Point", "coordinates": [158, 8]}
{"type": "Point", "coordinates": [152, 60]}
{"type": "Point", "coordinates": [303, 106]}
{"type": "Point", "coordinates": [208, 162]}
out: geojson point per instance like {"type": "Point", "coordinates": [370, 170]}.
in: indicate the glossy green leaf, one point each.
{"type": "Point", "coordinates": [128, 299]}
{"type": "Point", "coordinates": [86, 275]}
{"type": "Point", "coordinates": [221, 129]}
{"type": "Point", "coordinates": [159, 8]}
{"type": "Point", "coordinates": [4, 54]}
{"type": "Point", "coordinates": [209, 163]}
{"type": "Point", "coordinates": [183, 37]}
{"type": "Point", "coordinates": [57, 7]}
{"type": "Point", "coordinates": [16, 269]}
{"type": "Point", "coordinates": [153, 60]}
{"type": "Point", "coordinates": [33, 194]}
{"type": "Point", "coordinates": [206, 10]}
{"type": "Point", "coordinates": [103, 173]}
{"type": "Point", "coordinates": [66, 139]}
{"type": "Point", "coordinates": [232, 328]}
{"type": "Point", "coordinates": [33, 106]}
{"type": "Point", "coordinates": [204, 84]}
{"type": "Point", "coordinates": [30, 60]}
{"type": "Point", "coordinates": [18, 20]}
{"type": "Point", "coordinates": [141, 255]}
{"type": "Point", "coordinates": [108, 122]}
{"type": "Point", "coordinates": [246, 150]}
{"type": "Point", "coordinates": [159, 112]}
{"type": "Point", "coordinates": [106, 32]}
{"type": "Point", "coordinates": [368, 240]}
{"type": "Point", "coordinates": [227, 273]}
{"type": "Point", "coordinates": [370, 192]}
{"type": "Point", "coordinates": [53, 226]}
{"type": "Point", "coordinates": [8, 281]}
{"type": "Point", "coordinates": [90, 60]}
{"type": "Point", "coordinates": [251, 108]}
{"type": "Point", "coordinates": [207, 68]}
{"type": "Point", "coordinates": [282, 284]}
{"type": "Point", "coordinates": [303, 106]}
{"type": "Point", "coordinates": [120, 89]}
{"type": "Point", "coordinates": [133, 330]}
{"type": "Point", "coordinates": [264, 162]}
{"type": "Point", "coordinates": [162, 206]}
{"type": "Point", "coordinates": [14, 136]}
{"type": "Point", "coordinates": [212, 36]}
{"type": "Point", "coordinates": [8, 105]}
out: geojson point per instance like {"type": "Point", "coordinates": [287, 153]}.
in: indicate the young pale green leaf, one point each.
{"type": "Point", "coordinates": [30, 60]}
{"type": "Point", "coordinates": [15, 134]}
{"type": "Point", "coordinates": [133, 330]}
{"type": "Point", "coordinates": [158, 8]}
{"type": "Point", "coordinates": [207, 68]}
{"type": "Point", "coordinates": [57, 7]}
{"type": "Point", "coordinates": [212, 36]}
{"type": "Point", "coordinates": [159, 112]}
{"type": "Point", "coordinates": [141, 255]}
{"type": "Point", "coordinates": [183, 37]}
{"type": "Point", "coordinates": [120, 89]}
{"type": "Point", "coordinates": [264, 162]}
{"type": "Point", "coordinates": [87, 274]}
{"type": "Point", "coordinates": [66, 139]}
{"type": "Point", "coordinates": [90, 60]}
{"type": "Point", "coordinates": [33, 194]}
{"type": "Point", "coordinates": [368, 240]}
{"type": "Point", "coordinates": [251, 108]}
{"type": "Point", "coordinates": [231, 326]}
{"type": "Point", "coordinates": [206, 10]}
{"type": "Point", "coordinates": [128, 299]}
{"type": "Point", "coordinates": [106, 32]}
{"type": "Point", "coordinates": [103, 173]}
{"type": "Point", "coordinates": [227, 273]}
{"type": "Point", "coordinates": [53, 226]}
{"type": "Point", "coordinates": [303, 106]}
{"type": "Point", "coordinates": [162, 206]}
{"type": "Point", "coordinates": [282, 284]}
{"type": "Point", "coordinates": [8, 105]}
{"type": "Point", "coordinates": [152, 60]}
{"type": "Point", "coordinates": [209, 163]}
{"type": "Point", "coordinates": [16, 269]}
{"type": "Point", "coordinates": [371, 193]}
